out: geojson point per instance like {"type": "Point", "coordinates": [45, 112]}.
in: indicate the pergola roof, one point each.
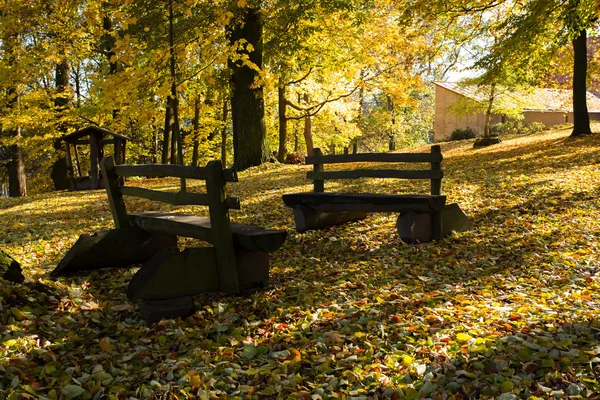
{"type": "Point", "coordinates": [91, 130]}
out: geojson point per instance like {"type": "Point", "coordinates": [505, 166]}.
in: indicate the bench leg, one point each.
{"type": "Point", "coordinates": [155, 310]}
{"type": "Point", "coordinates": [414, 227]}
{"type": "Point", "coordinates": [172, 273]}
{"type": "Point", "coordinates": [308, 218]}
{"type": "Point", "coordinates": [120, 247]}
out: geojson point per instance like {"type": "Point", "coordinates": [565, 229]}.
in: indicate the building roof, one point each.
{"type": "Point", "coordinates": [537, 99]}
{"type": "Point", "coordinates": [90, 130]}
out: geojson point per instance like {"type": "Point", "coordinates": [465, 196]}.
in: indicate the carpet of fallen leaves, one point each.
{"type": "Point", "coordinates": [508, 310]}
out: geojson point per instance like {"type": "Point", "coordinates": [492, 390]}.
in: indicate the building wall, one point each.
{"type": "Point", "coordinates": [446, 121]}
{"type": "Point", "coordinates": [548, 118]}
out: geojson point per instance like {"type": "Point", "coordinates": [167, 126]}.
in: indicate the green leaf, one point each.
{"type": "Point", "coordinates": [72, 391]}
{"type": "Point", "coordinates": [249, 351]}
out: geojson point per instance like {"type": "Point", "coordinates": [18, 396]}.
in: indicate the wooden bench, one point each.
{"type": "Point", "coordinates": [320, 209]}
{"type": "Point", "coordinates": [237, 261]}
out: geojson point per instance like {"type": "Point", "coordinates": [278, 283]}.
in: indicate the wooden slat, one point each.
{"type": "Point", "coordinates": [436, 183]}
{"type": "Point", "coordinates": [221, 228]}
{"type": "Point", "coordinates": [375, 157]}
{"type": "Point", "coordinates": [115, 197]}
{"type": "Point", "coordinates": [318, 184]}
{"type": "Point", "coordinates": [161, 171]}
{"type": "Point", "coordinates": [249, 237]}
{"type": "Point", "coordinates": [366, 202]}
{"type": "Point", "coordinates": [171, 170]}
{"type": "Point", "coordinates": [179, 198]}
{"type": "Point", "coordinates": [374, 173]}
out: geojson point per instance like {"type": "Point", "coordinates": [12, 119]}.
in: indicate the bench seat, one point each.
{"type": "Point", "coordinates": [366, 202]}
{"type": "Point", "coordinates": [248, 237]}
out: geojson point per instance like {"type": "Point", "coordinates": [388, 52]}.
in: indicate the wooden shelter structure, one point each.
{"type": "Point", "coordinates": [94, 139]}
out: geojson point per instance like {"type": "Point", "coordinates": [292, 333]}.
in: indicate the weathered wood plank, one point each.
{"type": "Point", "coordinates": [418, 227]}
{"type": "Point", "coordinates": [155, 310]}
{"type": "Point", "coordinates": [365, 202]}
{"type": "Point", "coordinates": [222, 236]}
{"type": "Point", "coordinates": [172, 274]}
{"type": "Point", "coordinates": [115, 198]}
{"type": "Point", "coordinates": [176, 198]}
{"type": "Point", "coordinates": [172, 170]}
{"type": "Point", "coordinates": [162, 171]}
{"type": "Point", "coordinates": [376, 173]}
{"type": "Point", "coordinates": [319, 183]}
{"type": "Point", "coordinates": [116, 248]}
{"type": "Point", "coordinates": [249, 237]}
{"type": "Point", "coordinates": [308, 218]}
{"type": "Point", "coordinates": [436, 183]}
{"type": "Point", "coordinates": [375, 157]}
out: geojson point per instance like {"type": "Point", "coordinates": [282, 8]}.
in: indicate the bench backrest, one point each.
{"type": "Point", "coordinates": [213, 173]}
{"type": "Point", "coordinates": [433, 173]}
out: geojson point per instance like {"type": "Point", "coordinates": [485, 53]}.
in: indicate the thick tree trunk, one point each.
{"type": "Point", "coordinates": [17, 186]}
{"type": "Point", "coordinates": [247, 103]}
{"type": "Point", "coordinates": [282, 151]}
{"type": "Point", "coordinates": [581, 118]}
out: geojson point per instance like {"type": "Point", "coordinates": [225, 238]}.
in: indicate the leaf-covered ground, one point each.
{"type": "Point", "coordinates": [509, 310]}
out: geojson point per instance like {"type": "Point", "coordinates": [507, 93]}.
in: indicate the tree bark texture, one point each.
{"type": "Point", "coordinates": [581, 118]}
{"type": "Point", "coordinates": [247, 103]}
{"type": "Point", "coordinates": [166, 150]}
{"type": "Point", "coordinates": [282, 152]}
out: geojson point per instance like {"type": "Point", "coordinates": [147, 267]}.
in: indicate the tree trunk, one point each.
{"type": "Point", "coordinates": [166, 151]}
{"type": "Point", "coordinates": [177, 138]}
{"type": "Point", "coordinates": [581, 118]}
{"type": "Point", "coordinates": [17, 186]}
{"type": "Point", "coordinates": [62, 96]}
{"type": "Point", "coordinates": [224, 134]}
{"type": "Point", "coordinates": [308, 135]}
{"type": "Point", "coordinates": [488, 112]}
{"type": "Point", "coordinates": [247, 102]}
{"type": "Point", "coordinates": [196, 131]}
{"type": "Point", "coordinates": [108, 47]}
{"type": "Point", "coordinates": [282, 152]}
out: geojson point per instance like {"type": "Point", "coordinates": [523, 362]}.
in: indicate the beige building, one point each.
{"type": "Point", "coordinates": [549, 106]}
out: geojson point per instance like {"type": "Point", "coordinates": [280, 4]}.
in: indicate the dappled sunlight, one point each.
{"type": "Point", "coordinates": [508, 307]}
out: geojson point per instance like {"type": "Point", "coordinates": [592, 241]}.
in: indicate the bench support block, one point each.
{"type": "Point", "coordinates": [173, 274]}
{"type": "Point", "coordinates": [308, 218]}
{"type": "Point", "coordinates": [418, 228]}
{"type": "Point", "coordinates": [155, 310]}
{"type": "Point", "coordinates": [120, 247]}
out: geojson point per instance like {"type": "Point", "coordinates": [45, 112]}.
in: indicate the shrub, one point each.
{"type": "Point", "coordinates": [294, 158]}
{"type": "Point", "coordinates": [463, 134]}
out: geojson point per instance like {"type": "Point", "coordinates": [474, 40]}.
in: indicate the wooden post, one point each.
{"type": "Point", "coordinates": [94, 153]}
{"type": "Point", "coordinates": [117, 150]}
{"type": "Point", "coordinates": [319, 184]}
{"type": "Point", "coordinates": [77, 160]}
{"type": "Point", "coordinates": [436, 189]}
{"type": "Point", "coordinates": [115, 198]}
{"type": "Point", "coordinates": [70, 165]}
{"type": "Point", "coordinates": [220, 227]}
{"type": "Point", "coordinates": [436, 184]}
